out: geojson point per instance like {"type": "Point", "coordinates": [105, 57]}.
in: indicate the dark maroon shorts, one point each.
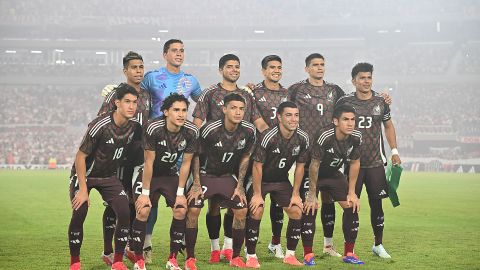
{"type": "Point", "coordinates": [220, 189]}
{"type": "Point", "coordinates": [110, 188]}
{"type": "Point", "coordinates": [280, 192]}
{"type": "Point", "coordinates": [375, 181]}
{"type": "Point", "coordinates": [165, 186]}
{"type": "Point", "coordinates": [335, 185]}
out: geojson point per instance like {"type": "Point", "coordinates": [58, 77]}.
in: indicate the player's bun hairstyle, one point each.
{"type": "Point", "coordinates": [169, 42]}
{"type": "Point", "coordinates": [227, 57]}
{"type": "Point", "coordinates": [344, 108]}
{"type": "Point", "coordinates": [232, 97]}
{"type": "Point", "coordinates": [361, 67]}
{"type": "Point", "coordinates": [124, 89]}
{"type": "Point", "coordinates": [130, 56]}
{"type": "Point", "coordinates": [311, 57]}
{"type": "Point", "coordinates": [285, 104]}
{"type": "Point", "coordinates": [269, 58]}
{"type": "Point", "coordinates": [172, 98]}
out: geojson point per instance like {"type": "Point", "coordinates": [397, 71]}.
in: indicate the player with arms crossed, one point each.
{"type": "Point", "coordinates": [268, 95]}
{"type": "Point", "coordinates": [166, 138]}
{"type": "Point", "coordinates": [102, 149]}
{"type": "Point", "coordinates": [210, 108]}
{"type": "Point", "coordinates": [372, 112]}
{"type": "Point", "coordinates": [335, 145]}
{"type": "Point", "coordinates": [225, 145]}
{"type": "Point", "coordinates": [276, 151]}
{"type": "Point", "coordinates": [133, 70]}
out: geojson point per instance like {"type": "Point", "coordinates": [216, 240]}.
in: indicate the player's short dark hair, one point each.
{"type": "Point", "coordinates": [286, 104]}
{"type": "Point", "coordinates": [172, 98]}
{"type": "Point", "coordinates": [124, 89]}
{"type": "Point", "coordinates": [131, 55]}
{"type": "Point", "coordinates": [311, 57]}
{"type": "Point", "coordinates": [361, 67]}
{"type": "Point", "coordinates": [227, 57]}
{"type": "Point", "coordinates": [232, 97]}
{"type": "Point", "coordinates": [269, 58]}
{"type": "Point", "coordinates": [169, 42]}
{"type": "Point", "coordinates": [344, 108]}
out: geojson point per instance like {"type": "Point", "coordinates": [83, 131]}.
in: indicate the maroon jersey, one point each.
{"type": "Point", "coordinates": [105, 144]}
{"type": "Point", "coordinates": [267, 102]}
{"type": "Point", "coordinates": [143, 105]}
{"type": "Point", "coordinates": [370, 114]}
{"type": "Point", "coordinates": [209, 105]}
{"type": "Point", "coordinates": [278, 154]}
{"type": "Point", "coordinates": [333, 153]}
{"type": "Point", "coordinates": [168, 146]}
{"type": "Point", "coordinates": [315, 104]}
{"type": "Point", "coordinates": [222, 150]}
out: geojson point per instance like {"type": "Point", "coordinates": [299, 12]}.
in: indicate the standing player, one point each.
{"type": "Point", "coordinates": [335, 145]}
{"type": "Point", "coordinates": [103, 147]}
{"type": "Point", "coordinates": [372, 112]}
{"type": "Point", "coordinates": [268, 96]}
{"type": "Point", "coordinates": [165, 140]}
{"type": "Point", "coordinates": [226, 145]}
{"type": "Point", "coordinates": [316, 99]}
{"type": "Point", "coordinates": [210, 108]}
{"type": "Point", "coordinates": [133, 70]}
{"type": "Point", "coordinates": [275, 153]}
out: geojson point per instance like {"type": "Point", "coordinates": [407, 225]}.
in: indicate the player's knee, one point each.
{"type": "Point", "coordinates": [179, 213]}
{"type": "Point", "coordinates": [240, 213]}
{"type": "Point", "coordinates": [258, 214]}
{"type": "Point", "coordinates": [143, 214]}
{"type": "Point", "coordinates": [294, 212]}
{"type": "Point", "coordinates": [193, 212]}
{"type": "Point", "coordinates": [344, 204]}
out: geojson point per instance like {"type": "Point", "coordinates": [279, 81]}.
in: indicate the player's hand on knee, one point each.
{"type": "Point", "coordinates": [354, 202]}
{"type": "Point", "coordinates": [195, 193]}
{"type": "Point", "coordinates": [256, 203]}
{"type": "Point", "coordinates": [240, 193]}
{"type": "Point", "coordinates": [311, 204]}
{"type": "Point", "coordinates": [107, 89]}
{"type": "Point", "coordinates": [142, 201]}
{"type": "Point", "coordinates": [296, 200]}
{"type": "Point", "coordinates": [80, 198]}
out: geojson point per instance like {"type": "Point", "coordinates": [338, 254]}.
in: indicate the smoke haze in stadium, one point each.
{"type": "Point", "coordinates": [57, 55]}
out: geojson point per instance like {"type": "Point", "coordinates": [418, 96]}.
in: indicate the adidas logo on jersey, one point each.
{"type": "Point", "coordinates": [307, 96]}
{"type": "Point", "coordinates": [123, 193]}
{"type": "Point", "coordinates": [219, 144]}
{"type": "Point", "coordinates": [330, 150]}
{"type": "Point", "coordinates": [111, 141]}
{"type": "Point", "coordinates": [263, 99]}
{"type": "Point", "coordinates": [164, 143]}
{"type": "Point", "coordinates": [276, 151]}
{"type": "Point", "coordinates": [220, 103]}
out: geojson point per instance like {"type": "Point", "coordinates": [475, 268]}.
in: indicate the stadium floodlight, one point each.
{"type": "Point", "coordinates": [382, 31]}
{"type": "Point", "coordinates": [163, 31]}
{"type": "Point", "coordinates": [398, 31]}
{"type": "Point", "coordinates": [36, 52]}
{"type": "Point", "coordinates": [259, 31]}
{"type": "Point", "coordinates": [10, 51]}
{"type": "Point", "coordinates": [101, 53]}
{"type": "Point", "coordinates": [58, 50]}
{"type": "Point", "coordinates": [154, 38]}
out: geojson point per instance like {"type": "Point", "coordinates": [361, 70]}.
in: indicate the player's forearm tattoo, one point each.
{"type": "Point", "coordinates": [313, 174]}
{"type": "Point", "coordinates": [242, 171]}
{"type": "Point", "coordinates": [196, 170]}
{"type": "Point", "coordinates": [238, 223]}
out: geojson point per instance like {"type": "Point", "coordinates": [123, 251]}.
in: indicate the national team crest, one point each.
{"type": "Point", "coordinates": [183, 85]}
{"type": "Point", "coordinates": [296, 150]}
{"type": "Point", "coordinates": [182, 145]}
{"type": "Point", "coordinates": [130, 138]}
{"type": "Point", "coordinates": [349, 150]}
{"type": "Point", "coordinates": [284, 99]}
{"type": "Point", "coordinates": [330, 96]}
{"type": "Point", "coordinates": [241, 144]}
{"type": "Point", "coordinates": [376, 110]}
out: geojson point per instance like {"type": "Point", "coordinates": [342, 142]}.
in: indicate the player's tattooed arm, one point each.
{"type": "Point", "coordinates": [352, 198]}
{"type": "Point", "coordinates": [240, 190]}
{"type": "Point", "coordinates": [195, 192]}
{"type": "Point", "coordinates": [311, 201]}
{"type": "Point", "coordinates": [144, 198]}
{"type": "Point", "coordinates": [81, 196]}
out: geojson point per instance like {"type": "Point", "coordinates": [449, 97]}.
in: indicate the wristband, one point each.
{"type": "Point", "coordinates": [394, 151]}
{"type": "Point", "coordinates": [145, 192]}
{"type": "Point", "coordinates": [180, 191]}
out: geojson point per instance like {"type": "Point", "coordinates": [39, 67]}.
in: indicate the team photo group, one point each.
{"type": "Point", "coordinates": [238, 147]}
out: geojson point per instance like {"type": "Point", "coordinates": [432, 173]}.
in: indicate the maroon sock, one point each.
{"type": "Point", "coordinates": [307, 250]}
{"type": "Point", "coordinates": [190, 241]}
{"type": "Point", "coordinates": [139, 257]}
{"type": "Point", "coordinates": [74, 259]}
{"type": "Point", "coordinates": [348, 248]}
{"type": "Point", "coordinates": [275, 240]}
{"type": "Point", "coordinates": [118, 257]}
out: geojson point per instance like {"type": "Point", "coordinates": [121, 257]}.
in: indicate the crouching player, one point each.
{"type": "Point", "coordinates": [166, 138]}
{"type": "Point", "coordinates": [102, 149]}
{"type": "Point", "coordinates": [274, 155]}
{"type": "Point", "coordinates": [334, 146]}
{"type": "Point", "coordinates": [225, 146]}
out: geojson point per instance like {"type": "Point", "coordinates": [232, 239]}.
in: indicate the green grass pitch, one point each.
{"type": "Point", "coordinates": [437, 226]}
